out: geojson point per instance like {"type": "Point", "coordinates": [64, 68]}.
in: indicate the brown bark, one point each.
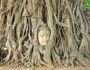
{"type": "Point", "coordinates": [69, 39]}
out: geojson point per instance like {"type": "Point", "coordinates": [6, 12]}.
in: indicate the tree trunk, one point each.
{"type": "Point", "coordinates": [69, 42]}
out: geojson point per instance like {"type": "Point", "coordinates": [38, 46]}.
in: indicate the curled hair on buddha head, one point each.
{"type": "Point", "coordinates": [44, 27]}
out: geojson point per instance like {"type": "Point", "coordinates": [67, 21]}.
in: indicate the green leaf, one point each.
{"type": "Point", "coordinates": [86, 4]}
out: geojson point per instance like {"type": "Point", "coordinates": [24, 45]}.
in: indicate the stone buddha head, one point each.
{"type": "Point", "coordinates": [43, 35]}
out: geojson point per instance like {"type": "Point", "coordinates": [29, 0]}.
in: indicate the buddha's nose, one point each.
{"type": "Point", "coordinates": [44, 37]}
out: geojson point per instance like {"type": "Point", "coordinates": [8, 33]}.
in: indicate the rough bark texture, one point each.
{"type": "Point", "coordinates": [69, 43]}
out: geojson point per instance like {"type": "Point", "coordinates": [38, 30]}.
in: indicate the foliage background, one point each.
{"type": "Point", "coordinates": [86, 4]}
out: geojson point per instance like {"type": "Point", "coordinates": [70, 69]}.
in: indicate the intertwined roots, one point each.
{"type": "Point", "coordinates": [69, 43]}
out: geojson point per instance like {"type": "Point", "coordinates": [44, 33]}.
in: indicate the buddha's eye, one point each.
{"type": "Point", "coordinates": [47, 35]}
{"type": "Point", "coordinates": [41, 35]}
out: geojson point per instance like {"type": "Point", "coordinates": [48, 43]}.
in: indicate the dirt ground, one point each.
{"type": "Point", "coordinates": [44, 68]}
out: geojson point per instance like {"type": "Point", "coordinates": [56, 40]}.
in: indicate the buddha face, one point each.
{"type": "Point", "coordinates": [43, 37]}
